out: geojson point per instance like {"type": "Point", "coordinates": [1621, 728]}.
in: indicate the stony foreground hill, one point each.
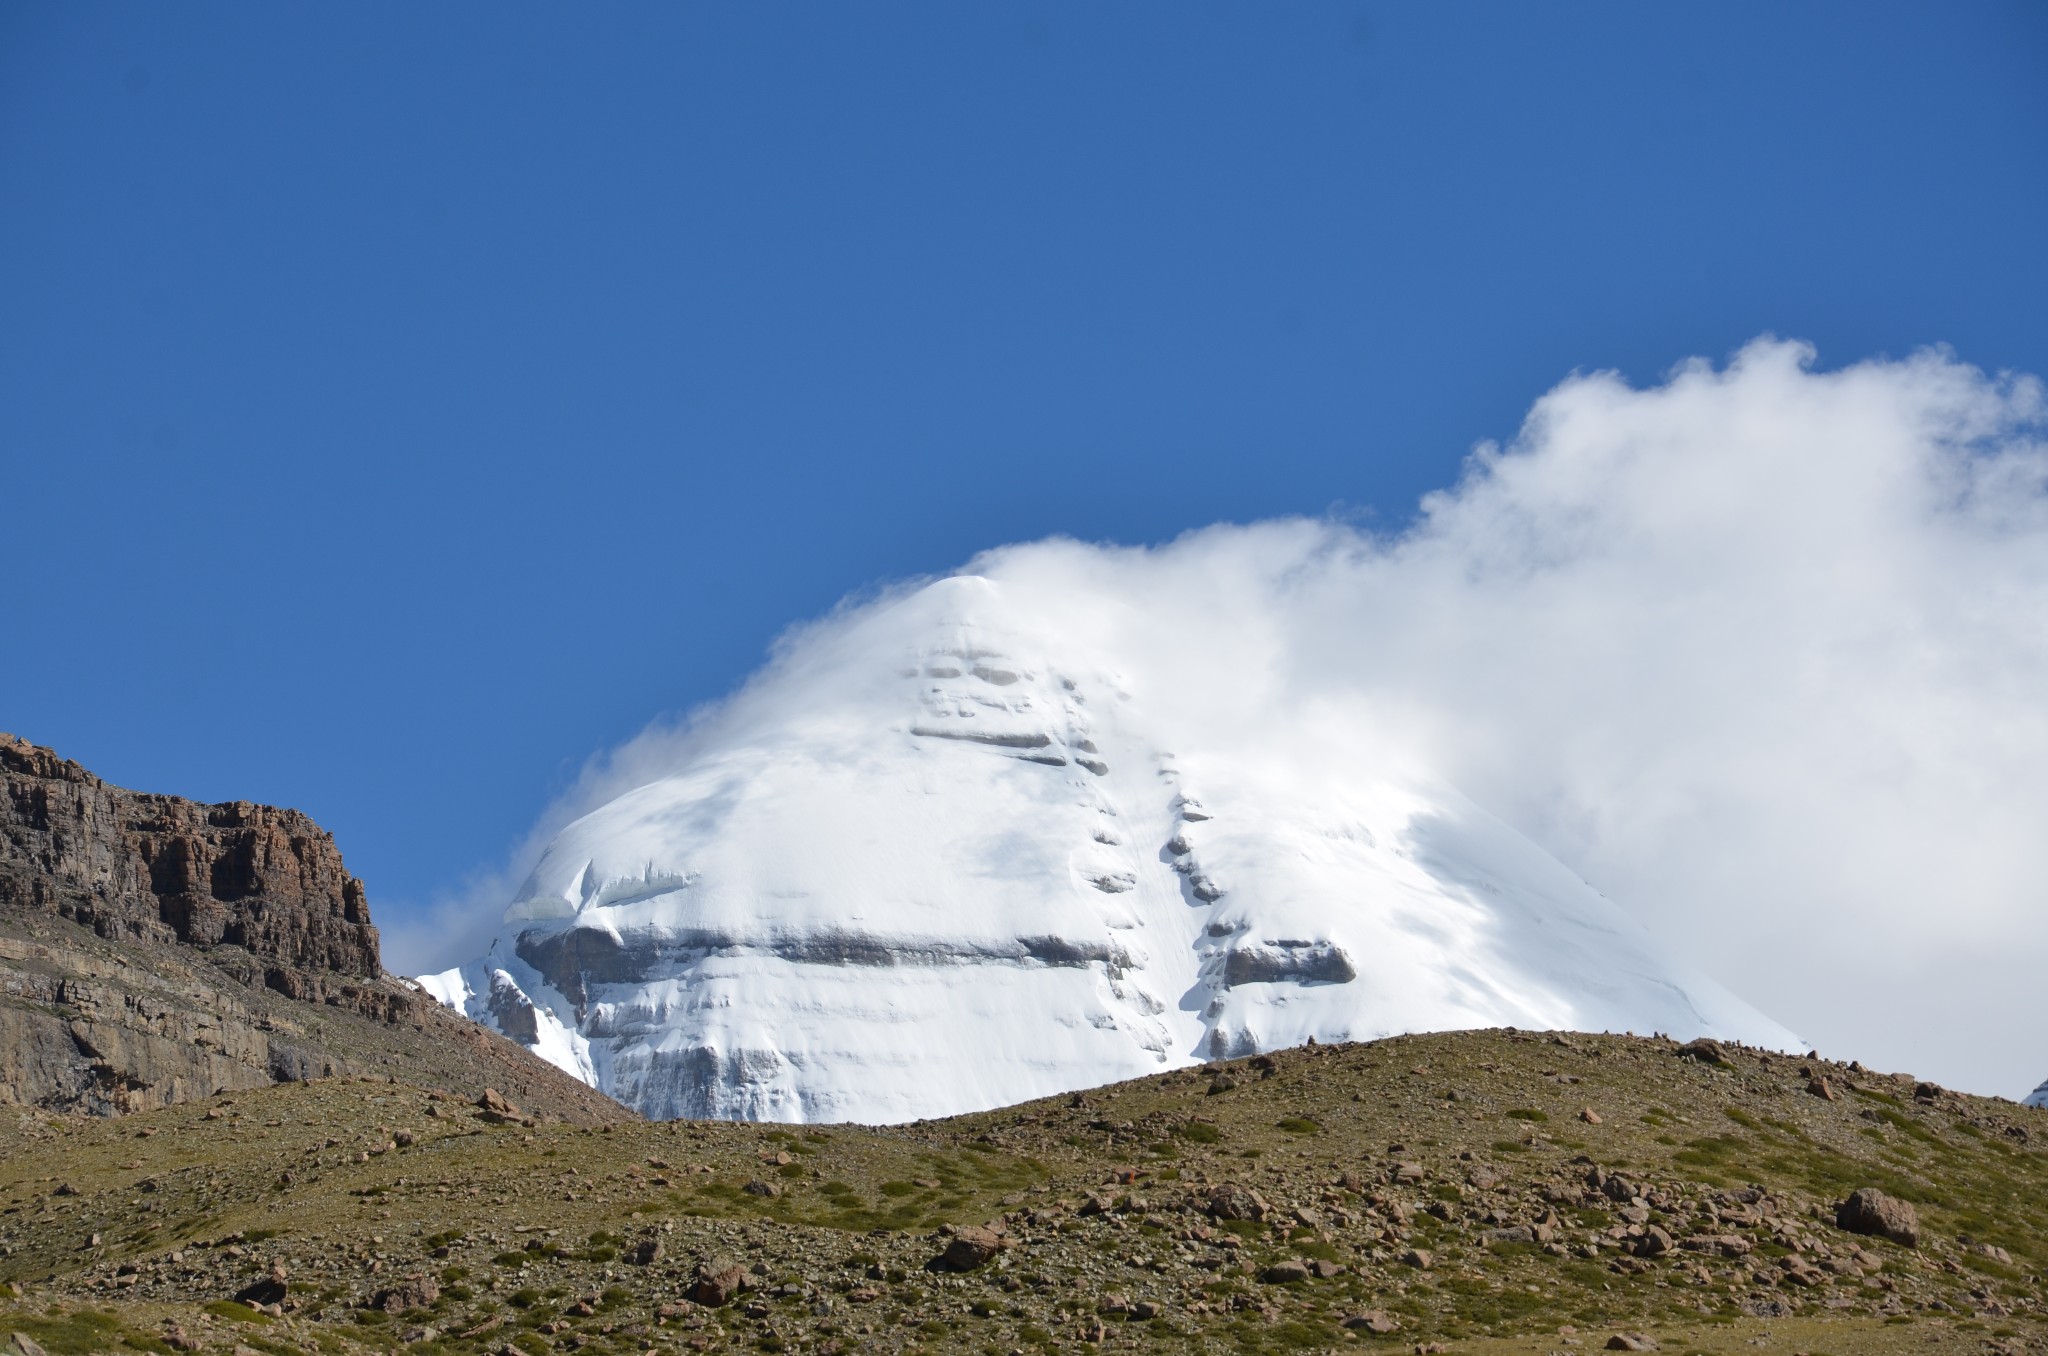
{"type": "Point", "coordinates": [154, 950]}
{"type": "Point", "coordinates": [1487, 1191]}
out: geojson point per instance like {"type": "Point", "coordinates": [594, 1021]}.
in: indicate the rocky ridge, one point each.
{"type": "Point", "coordinates": [154, 950]}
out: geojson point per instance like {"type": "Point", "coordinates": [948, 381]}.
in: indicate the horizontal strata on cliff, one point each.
{"type": "Point", "coordinates": [154, 950]}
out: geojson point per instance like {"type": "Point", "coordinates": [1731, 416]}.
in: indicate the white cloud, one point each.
{"type": "Point", "coordinates": [1761, 651]}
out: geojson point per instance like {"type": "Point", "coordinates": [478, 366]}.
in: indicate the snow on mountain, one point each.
{"type": "Point", "coordinates": [946, 856]}
{"type": "Point", "coordinates": [2039, 1097]}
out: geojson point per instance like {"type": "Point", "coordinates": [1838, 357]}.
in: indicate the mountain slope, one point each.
{"type": "Point", "coordinates": [951, 856]}
{"type": "Point", "coordinates": [154, 950]}
{"type": "Point", "coordinates": [2039, 1097]}
{"type": "Point", "coordinates": [1421, 1192]}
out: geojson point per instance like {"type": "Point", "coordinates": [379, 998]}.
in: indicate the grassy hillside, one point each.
{"type": "Point", "coordinates": [1486, 1191]}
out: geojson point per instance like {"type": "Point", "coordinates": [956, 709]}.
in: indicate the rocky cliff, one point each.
{"type": "Point", "coordinates": [160, 869]}
{"type": "Point", "coordinates": [154, 950]}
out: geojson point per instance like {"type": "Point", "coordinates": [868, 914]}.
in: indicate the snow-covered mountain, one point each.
{"type": "Point", "coordinates": [946, 856]}
{"type": "Point", "coordinates": [2039, 1097]}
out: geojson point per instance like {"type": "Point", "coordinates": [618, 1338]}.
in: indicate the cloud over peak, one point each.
{"type": "Point", "coordinates": [1761, 651]}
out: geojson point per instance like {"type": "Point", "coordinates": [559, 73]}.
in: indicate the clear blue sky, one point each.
{"type": "Point", "coordinates": [399, 403]}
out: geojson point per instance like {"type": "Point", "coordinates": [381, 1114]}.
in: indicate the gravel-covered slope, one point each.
{"type": "Point", "coordinates": [1466, 1189]}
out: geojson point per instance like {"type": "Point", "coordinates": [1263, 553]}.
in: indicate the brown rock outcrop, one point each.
{"type": "Point", "coordinates": [148, 868]}
{"type": "Point", "coordinates": [1870, 1211]}
{"type": "Point", "coordinates": [155, 950]}
{"type": "Point", "coordinates": [717, 1283]}
{"type": "Point", "coordinates": [971, 1246]}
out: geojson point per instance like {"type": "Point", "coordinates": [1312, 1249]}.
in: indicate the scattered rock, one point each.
{"type": "Point", "coordinates": [1655, 1242]}
{"type": "Point", "coordinates": [1705, 1051]}
{"type": "Point", "coordinates": [1870, 1211]}
{"type": "Point", "coordinates": [1821, 1088]}
{"type": "Point", "coordinates": [413, 1292]}
{"type": "Point", "coordinates": [1232, 1201]}
{"type": "Point", "coordinates": [1800, 1271]}
{"type": "Point", "coordinates": [1374, 1321]}
{"type": "Point", "coordinates": [1589, 1116]}
{"type": "Point", "coordinates": [1630, 1341]}
{"type": "Point", "coordinates": [1419, 1258]}
{"type": "Point", "coordinates": [1727, 1245]}
{"type": "Point", "coordinates": [269, 1290]}
{"type": "Point", "coordinates": [717, 1283]}
{"type": "Point", "coordinates": [24, 1345]}
{"type": "Point", "coordinates": [645, 1253]}
{"type": "Point", "coordinates": [971, 1247]}
{"type": "Point", "coordinates": [1283, 1273]}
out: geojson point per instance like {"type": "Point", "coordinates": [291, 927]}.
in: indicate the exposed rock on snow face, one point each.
{"type": "Point", "coordinates": [2039, 1096]}
{"type": "Point", "coordinates": [940, 860]}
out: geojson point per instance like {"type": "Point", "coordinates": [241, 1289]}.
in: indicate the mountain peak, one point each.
{"type": "Point", "coordinates": [939, 857]}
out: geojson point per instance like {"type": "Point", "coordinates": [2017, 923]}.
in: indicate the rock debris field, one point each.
{"type": "Point", "coordinates": [1490, 1191]}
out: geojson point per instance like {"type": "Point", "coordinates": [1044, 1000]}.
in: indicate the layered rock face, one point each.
{"type": "Point", "coordinates": [160, 869]}
{"type": "Point", "coordinates": [952, 856]}
{"type": "Point", "coordinates": [154, 950]}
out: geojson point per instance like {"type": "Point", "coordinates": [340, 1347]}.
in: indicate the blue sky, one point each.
{"type": "Point", "coordinates": [399, 404]}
